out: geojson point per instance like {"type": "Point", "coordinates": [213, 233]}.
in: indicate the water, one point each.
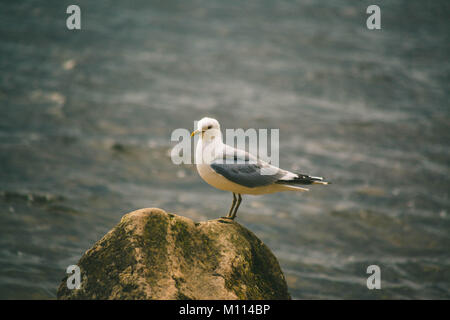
{"type": "Point", "coordinates": [86, 119]}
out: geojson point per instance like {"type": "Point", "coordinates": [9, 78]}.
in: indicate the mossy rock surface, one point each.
{"type": "Point", "coordinates": [152, 254]}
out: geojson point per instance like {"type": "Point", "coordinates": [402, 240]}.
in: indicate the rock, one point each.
{"type": "Point", "coordinates": [152, 254]}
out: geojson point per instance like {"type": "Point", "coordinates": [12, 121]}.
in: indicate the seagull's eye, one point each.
{"type": "Point", "coordinates": [209, 127]}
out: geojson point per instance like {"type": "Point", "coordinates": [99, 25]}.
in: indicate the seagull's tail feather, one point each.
{"type": "Point", "coordinates": [303, 179]}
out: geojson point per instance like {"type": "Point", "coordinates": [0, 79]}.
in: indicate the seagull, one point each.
{"type": "Point", "coordinates": [230, 169]}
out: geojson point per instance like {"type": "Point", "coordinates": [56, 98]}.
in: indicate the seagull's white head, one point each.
{"type": "Point", "coordinates": [209, 128]}
{"type": "Point", "coordinates": [207, 124]}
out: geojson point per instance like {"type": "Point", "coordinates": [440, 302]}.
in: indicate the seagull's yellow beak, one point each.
{"type": "Point", "coordinates": [195, 132]}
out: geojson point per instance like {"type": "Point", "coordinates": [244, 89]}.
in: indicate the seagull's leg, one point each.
{"type": "Point", "coordinates": [237, 207]}
{"type": "Point", "coordinates": [232, 206]}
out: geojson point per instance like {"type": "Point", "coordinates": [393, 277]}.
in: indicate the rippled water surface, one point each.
{"type": "Point", "coordinates": [86, 118]}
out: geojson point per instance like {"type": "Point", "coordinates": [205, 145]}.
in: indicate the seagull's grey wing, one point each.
{"type": "Point", "coordinates": [246, 173]}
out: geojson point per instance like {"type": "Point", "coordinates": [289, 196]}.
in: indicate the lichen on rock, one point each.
{"type": "Point", "coordinates": [152, 254]}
